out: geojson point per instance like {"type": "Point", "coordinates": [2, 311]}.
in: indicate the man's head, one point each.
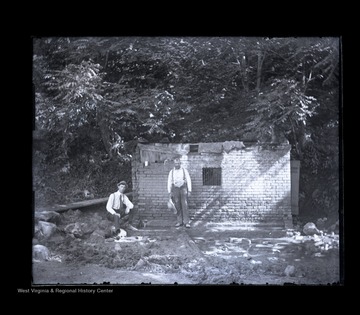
{"type": "Point", "coordinates": [122, 186]}
{"type": "Point", "coordinates": [177, 163]}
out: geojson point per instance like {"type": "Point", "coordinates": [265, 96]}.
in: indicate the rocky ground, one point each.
{"type": "Point", "coordinates": [75, 248]}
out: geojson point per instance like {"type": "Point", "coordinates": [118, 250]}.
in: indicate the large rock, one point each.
{"type": "Point", "coordinates": [81, 230]}
{"type": "Point", "coordinates": [289, 270]}
{"type": "Point", "coordinates": [48, 216]}
{"type": "Point", "coordinates": [310, 229]}
{"type": "Point", "coordinates": [72, 215]}
{"type": "Point", "coordinates": [45, 229]}
{"type": "Point", "coordinates": [40, 253]}
{"type": "Point", "coordinates": [320, 223]}
{"type": "Point", "coordinates": [97, 237]}
{"type": "Point", "coordinates": [334, 227]}
{"type": "Point", "coordinates": [74, 229]}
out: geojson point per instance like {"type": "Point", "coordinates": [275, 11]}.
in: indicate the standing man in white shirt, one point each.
{"type": "Point", "coordinates": [179, 189]}
{"type": "Point", "coordinates": [119, 206]}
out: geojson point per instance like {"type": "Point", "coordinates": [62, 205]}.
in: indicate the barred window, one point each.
{"type": "Point", "coordinates": [194, 148]}
{"type": "Point", "coordinates": [211, 176]}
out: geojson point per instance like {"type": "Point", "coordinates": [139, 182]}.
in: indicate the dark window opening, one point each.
{"type": "Point", "coordinates": [211, 176]}
{"type": "Point", "coordinates": [194, 148]}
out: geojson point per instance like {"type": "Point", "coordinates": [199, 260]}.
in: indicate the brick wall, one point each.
{"type": "Point", "coordinates": [255, 186]}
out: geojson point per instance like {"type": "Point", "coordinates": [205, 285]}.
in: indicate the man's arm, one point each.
{"type": "Point", "coordinates": [188, 180]}
{"type": "Point", "coordinates": [129, 205]}
{"type": "Point", "coordinates": [110, 203]}
{"type": "Point", "coordinates": [169, 183]}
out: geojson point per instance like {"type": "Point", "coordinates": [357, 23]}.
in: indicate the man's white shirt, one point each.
{"type": "Point", "coordinates": [114, 202]}
{"type": "Point", "coordinates": [176, 177]}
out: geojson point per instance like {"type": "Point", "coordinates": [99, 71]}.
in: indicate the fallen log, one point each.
{"type": "Point", "coordinates": [76, 205]}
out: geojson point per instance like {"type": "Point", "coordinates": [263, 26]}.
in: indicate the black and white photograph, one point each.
{"type": "Point", "coordinates": [187, 161]}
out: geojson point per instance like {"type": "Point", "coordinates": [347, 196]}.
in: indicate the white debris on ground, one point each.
{"type": "Point", "coordinates": [208, 254]}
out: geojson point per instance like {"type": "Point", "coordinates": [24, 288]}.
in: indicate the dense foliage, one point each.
{"type": "Point", "coordinates": [96, 97]}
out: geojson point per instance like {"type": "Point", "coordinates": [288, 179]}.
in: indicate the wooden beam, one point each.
{"type": "Point", "coordinates": [76, 205]}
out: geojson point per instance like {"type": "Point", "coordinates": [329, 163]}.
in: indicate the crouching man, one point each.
{"type": "Point", "coordinates": [119, 209]}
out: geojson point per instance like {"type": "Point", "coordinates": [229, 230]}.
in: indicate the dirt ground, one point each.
{"type": "Point", "coordinates": [205, 254]}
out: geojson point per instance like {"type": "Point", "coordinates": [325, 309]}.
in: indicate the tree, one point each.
{"type": "Point", "coordinates": [113, 91]}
